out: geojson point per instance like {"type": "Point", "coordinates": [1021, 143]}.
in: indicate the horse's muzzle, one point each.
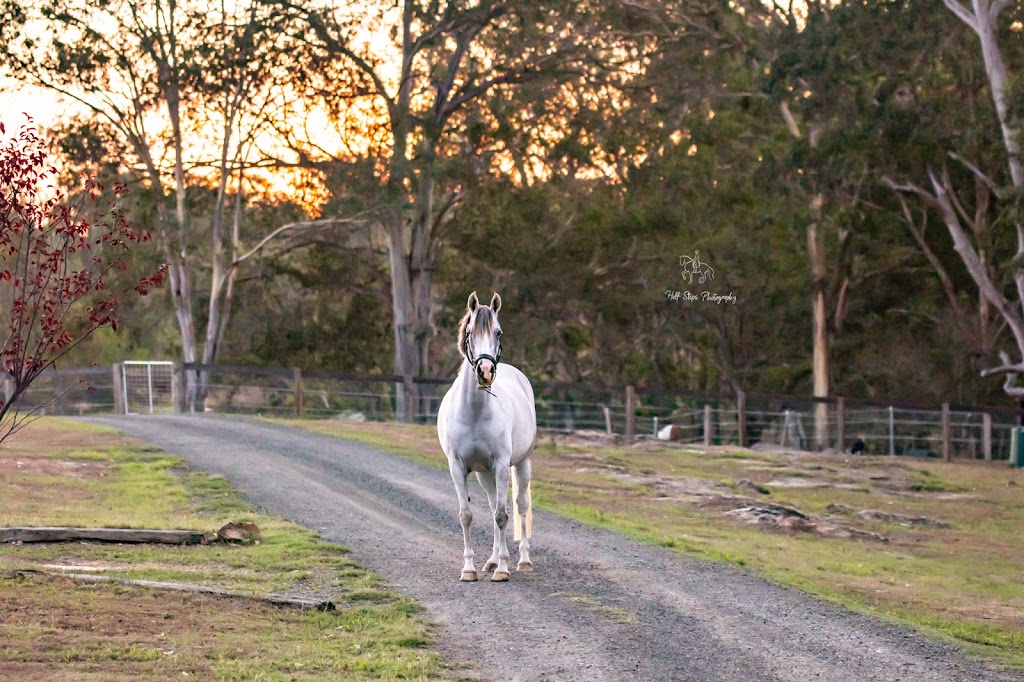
{"type": "Point", "coordinates": [486, 369]}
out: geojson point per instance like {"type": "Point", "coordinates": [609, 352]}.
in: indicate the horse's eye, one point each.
{"type": "Point", "coordinates": [499, 333]}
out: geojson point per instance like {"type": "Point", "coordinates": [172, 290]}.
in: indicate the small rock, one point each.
{"type": "Point", "coordinates": [252, 529]}
{"type": "Point", "coordinates": [232, 532]}
{"type": "Point", "coordinates": [750, 485]}
{"type": "Point", "coordinates": [872, 515]}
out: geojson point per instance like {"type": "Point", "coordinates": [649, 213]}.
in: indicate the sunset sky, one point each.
{"type": "Point", "coordinates": [15, 99]}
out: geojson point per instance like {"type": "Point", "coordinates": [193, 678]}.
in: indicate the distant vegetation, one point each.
{"type": "Point", "coordinates": [568, 156]}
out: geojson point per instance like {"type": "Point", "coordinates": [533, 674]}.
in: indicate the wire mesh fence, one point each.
{"type": "Point", "coordinates": [69, 392]}
{"type": "Point", "coordinates": [758, 421]}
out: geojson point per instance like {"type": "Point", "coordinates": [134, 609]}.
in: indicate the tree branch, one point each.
{"type": "Point", "coordinates": [292, 226]}
{"type": "Point", "coordinates": [997, 7]}
{"type": "Point", "coordinates": [962, 13]}
{"type": "Point", "coordinates": [791, 124]}
{"type": "Point", "coordinates": [978, 173]}
{"type": "Point", "coordinates": [929, 254]}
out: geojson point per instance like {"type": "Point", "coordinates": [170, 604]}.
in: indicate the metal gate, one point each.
{"type": "Point", "coordinates": [148, 386]}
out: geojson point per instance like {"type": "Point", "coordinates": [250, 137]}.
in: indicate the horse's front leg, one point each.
{"type": "Point", "coordinates": [501, 475]}
{"type": "Point", "coordinates": [486, 479]}
{"type": "Point", "coordinates": [495, 484]}
{"type": "Point", "coordinates": [459, 475]}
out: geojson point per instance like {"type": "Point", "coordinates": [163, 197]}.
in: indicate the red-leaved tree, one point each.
{"type": "Point", "coordinates": [56, 257]}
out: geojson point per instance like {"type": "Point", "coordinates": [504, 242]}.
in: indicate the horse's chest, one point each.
{"type": "Point", "coordinates": [478, 450]}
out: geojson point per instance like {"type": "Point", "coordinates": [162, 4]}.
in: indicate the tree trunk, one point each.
{"type": "Point", "coordinates": [820, 362]}
{"type": "Point", "coordinates": [411, 296]}
{"type": "Point", "coordinates": [402, 316]}
{"type": "Point", "coordinates": [180, 286]}
{"type": "Point", "coordinates": [181, 280]}
{"type": "Point", "coordinates": [421, 275]}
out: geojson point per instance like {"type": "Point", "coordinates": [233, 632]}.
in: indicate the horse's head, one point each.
{"type": "Point", "coordinates": [480, 338]}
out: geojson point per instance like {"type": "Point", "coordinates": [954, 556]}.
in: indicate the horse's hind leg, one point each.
{"type": "Point", "coordinates": [459, 475]}
{"type": "Point", "coordinates": [522, 519]}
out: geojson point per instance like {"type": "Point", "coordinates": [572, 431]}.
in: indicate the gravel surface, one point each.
{"type": "Point", "coordinates": [598, 607]}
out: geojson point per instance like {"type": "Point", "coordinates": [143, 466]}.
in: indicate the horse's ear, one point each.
{"type": "Point", "coordinates": [473, 302]}
{"type": "Point", "coordinates": [495, 302]}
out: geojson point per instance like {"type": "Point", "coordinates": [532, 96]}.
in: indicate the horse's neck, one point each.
{"type": "Point", "coordinates": [474, 398]}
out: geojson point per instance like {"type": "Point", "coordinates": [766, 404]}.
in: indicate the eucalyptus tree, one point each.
{"type": "Point", "coordinates": [977, 188]}
{"type": "Point", "coordinates": [186, 90]}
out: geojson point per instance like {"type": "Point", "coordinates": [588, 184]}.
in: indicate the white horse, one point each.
{"type": "Point", "coordinates": [487, 423]}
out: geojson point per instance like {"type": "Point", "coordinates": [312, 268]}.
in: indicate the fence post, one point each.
{"type": "Point", "coordinates": [840, 424]}
{"type": "Point", "coordinates": [607, 419]}
{"type": "Point", "coordinates": [892, 431]}
{"type": "Point", "coordinates": [986, 436]}
{"type": "Point", "coordinates": [741, 415]}
{"type": "Point", "coordinates": [707, 426]}
{"type": "Point", "coordinates": [946, 449]}
{"type": "Point", "coordinates": [119, 406]}
{"type": "Point", "coordinates": [179, 380]}
{"type": "Point", "coordinates": [299, 397]}
{"type": "Point", "coordinates": [58, 393]}
{"type": "Point", "coordinates": [630, 412]}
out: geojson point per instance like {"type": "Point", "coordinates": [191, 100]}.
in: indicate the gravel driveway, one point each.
{"type": "Point", "coordinates": [598, 607]}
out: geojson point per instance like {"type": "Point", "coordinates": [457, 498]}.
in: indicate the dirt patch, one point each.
{"type": "Point", "coordinates": [664, 486]}
{"type": "Point", "coordinates": [779, 517]}
{"type": "Point", "coordinates": [901, 519]}
{"type": "Point", "coordinates": [707, 494]}
{"type": "Point", "coordinates": [798, 483]}
{"type": "Point", "coordinates": [50, 435]}
{"type": "Point", "coordinates": [928, 495]}
{"type": "Point", "coordinates": [11, 465]}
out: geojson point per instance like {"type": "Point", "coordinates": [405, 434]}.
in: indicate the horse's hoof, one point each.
{"type": "Point", "coordinates": [499, 577]}
{"type": "Point", "coordinates": [490, 566]}
{"type": "Point", "coordinates": [469, 576]}
{"type": "Point", "coordinates": [524, 566]}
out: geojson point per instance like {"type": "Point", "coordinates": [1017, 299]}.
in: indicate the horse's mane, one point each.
{"type": "Point", "coordinates": [486, 322]}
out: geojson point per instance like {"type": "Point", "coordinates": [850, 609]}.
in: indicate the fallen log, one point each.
{"type": "Point", "coordinates": [124, 535]}
{"type": "Point", "coordinates": [301, 603]}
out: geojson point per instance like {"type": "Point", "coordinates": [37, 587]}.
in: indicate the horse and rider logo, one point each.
{"type": "Point", "coordinates": [694, 266]}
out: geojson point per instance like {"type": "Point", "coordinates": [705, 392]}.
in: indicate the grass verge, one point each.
{"type": "Point", "coordinates": [58, 473]}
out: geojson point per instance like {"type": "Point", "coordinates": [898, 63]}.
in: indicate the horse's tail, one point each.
{"type": "Point", "coordinates": [517, 531]}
